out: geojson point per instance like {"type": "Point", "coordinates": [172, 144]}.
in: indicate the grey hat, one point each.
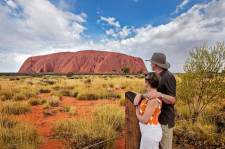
{"type": "Point", "coordinates": [160, 60]}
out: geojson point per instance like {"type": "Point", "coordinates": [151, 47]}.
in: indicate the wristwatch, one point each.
{"type": "Point", "coordinates": [162, 95]}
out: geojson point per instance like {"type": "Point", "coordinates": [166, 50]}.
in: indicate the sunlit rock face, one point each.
{"type": "Point", "coordinates": [89, 61]}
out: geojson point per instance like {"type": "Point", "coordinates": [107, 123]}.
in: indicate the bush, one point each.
{"type": "Point", "coordinates": [6, 95]}
{"type": "Point", "coordinates": [54, 101]}
{"type": "Point", "coordinates": [66, 108]}
{"type": "Point", "coordinates": [56, 88]}
{"type": "Point", "coordinates": [69, 74]}
{"type": "Point", "coordinates": [110, 115]}
{"type": "Point", "coordinates": [46, 106]}
{"type": "Point", "coordinates": [88, 81]}
{"type": "Point", "coordinates": [125, 69]}
{"type": "Point", "coordinates": [58, 94]}
{"type": "Point", "coordinates": [65, 92]}
{"type": "Point", "coordinates": [109, 95]}
{"type": "Point", "coordinates": [45, 91]}
{"type": "Point", "coordinates": [15, 135]}
{"type": "Point", "coordinates": [72, 110]}
{"type": "Point", "coordinates": [7, 121]}
{"type": "Point", "coordinates": [204, 133]}
{"type": "Point", "coordinates": [15, 108]}
{"type": "Point", "coordinates": [87, 96]}
{"type": "Point", "coordinates": [18, 97]}
{"type": "Point", "coordinates": [34, 101]}
{"type": "Point", "coordinates": [81, 133]}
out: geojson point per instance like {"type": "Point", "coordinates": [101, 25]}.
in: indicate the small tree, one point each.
{"type": "Point", "coordinates": [202, 83]}
{"type": "Point", "coordinates": [125, 69]}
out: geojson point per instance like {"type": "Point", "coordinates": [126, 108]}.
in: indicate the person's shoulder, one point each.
{"type": "Point", "coordinates": [153, 101]}
{"type": "Point", "coordinates": [168, 74]}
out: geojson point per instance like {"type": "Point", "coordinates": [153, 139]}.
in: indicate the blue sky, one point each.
{"type": "Point", "coordinates": [134, 27]}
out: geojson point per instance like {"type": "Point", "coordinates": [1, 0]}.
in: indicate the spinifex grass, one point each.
{"type": "Point", "coordinates": [14, 134]}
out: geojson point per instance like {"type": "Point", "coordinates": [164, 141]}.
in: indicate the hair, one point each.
{"type": "Point", "coordinates": [153, 79]}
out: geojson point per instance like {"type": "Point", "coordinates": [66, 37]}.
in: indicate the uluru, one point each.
{"type": "Point", "coordinates": [89, 61]}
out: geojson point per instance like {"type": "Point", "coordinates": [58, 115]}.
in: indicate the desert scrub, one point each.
{"type": "Point", "coordinates": [35, 101]}
{"type": "Point", "coordinates": [58, 94]}
{"type": "Point", "coordinates": [122, 101]}
{"type": "Point", "coordinates": [111, 115]}
{"type": "Point", "coordinates": [14, 134]}
{"type": "Point", "coordinates": [205, 133]}
{"type": "Point", "coordinates": [88, 95]}
{"type": "Point", "coordinates": [4, 95]}
{"type": "Point", "coordinates": [54, 101]}
{"type": "Point", "coordinates": [7, 121]}
{"type": "Point", "coordinates": [109, 95]}
{"type": "Point", "coordinates": [15, 108]}
{"type": "Point", "coordinates": [72, 110]}
{"type": "Point", "coordinates": [44, 90]}
{"type": "Point", "coordinates": [81, 133]}
{"type": "Point", "coordinates": [46, 106]}
{"type": "Point", "coordinates": [66, 108]}
{"type": "Point", "coordinates": [19, 97]}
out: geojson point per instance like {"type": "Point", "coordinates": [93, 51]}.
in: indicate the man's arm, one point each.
{"type": "Point", "coordinates": [167, 98]}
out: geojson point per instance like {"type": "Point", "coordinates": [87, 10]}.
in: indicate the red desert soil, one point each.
{"type": "Point", "coordinates": [45, 124]}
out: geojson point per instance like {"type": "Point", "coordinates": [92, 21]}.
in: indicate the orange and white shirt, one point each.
{"type": "Point", "coordinates": [153, 120]}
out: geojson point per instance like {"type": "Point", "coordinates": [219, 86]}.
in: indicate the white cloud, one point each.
{"type": "Point", "coordinates": [11, 3]}
{"type": "Point", "coordinates": [179, 7]}
{"type": "Point", "coordinates": [111, 21]}
{"type": "Point", "coordinates": [54, 30]}
{"type": "Point", "coordinates": [135, 0]}
{"type": "Point", "coordinates": [125, 32]}
{"type": "Point", "coordinates": [205, 22]}
{"type": "Point", "coordinates": [38, 23]}
{"type": "Point", "coordinates": [111, 32]}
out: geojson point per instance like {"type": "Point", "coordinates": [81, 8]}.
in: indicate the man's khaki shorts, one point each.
{"type": "Point", "coordinates": [167, 137]}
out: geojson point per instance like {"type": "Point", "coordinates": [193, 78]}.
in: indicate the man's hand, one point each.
{"type": "Point", "coordinates": [153, 95]}
{"type": "Point", "coordinates": [167, 98]}
{"type": "Point", "coordinates": [137, 99]}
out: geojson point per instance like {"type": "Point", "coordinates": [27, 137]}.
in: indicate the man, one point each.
{"type": "Point", "coordinates": [167, 92]}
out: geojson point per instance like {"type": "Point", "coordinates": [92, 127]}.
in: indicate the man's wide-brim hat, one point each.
{"type": "Point", "coordinates": [160, 60]}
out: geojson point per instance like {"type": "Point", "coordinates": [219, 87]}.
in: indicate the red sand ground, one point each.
{"type": "Point", "coordinates": [45, 124]}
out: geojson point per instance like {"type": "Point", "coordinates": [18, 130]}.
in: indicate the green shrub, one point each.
{"type": "Point", "coordinates": [15, 108]}
{"type": "Point", "coordinates": [54, 101]}
{"type": "Point", "coordinates": [111, 115]}
{"type": "Point", "coordinates": [34, 101]}
{"type": "Point", "coordinates": [81, 133]}
{"type": "Point", "coordinates": [18, 97]}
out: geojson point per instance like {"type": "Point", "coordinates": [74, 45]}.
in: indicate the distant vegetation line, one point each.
{"type": "Point", "coordinates": [61, 74]}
